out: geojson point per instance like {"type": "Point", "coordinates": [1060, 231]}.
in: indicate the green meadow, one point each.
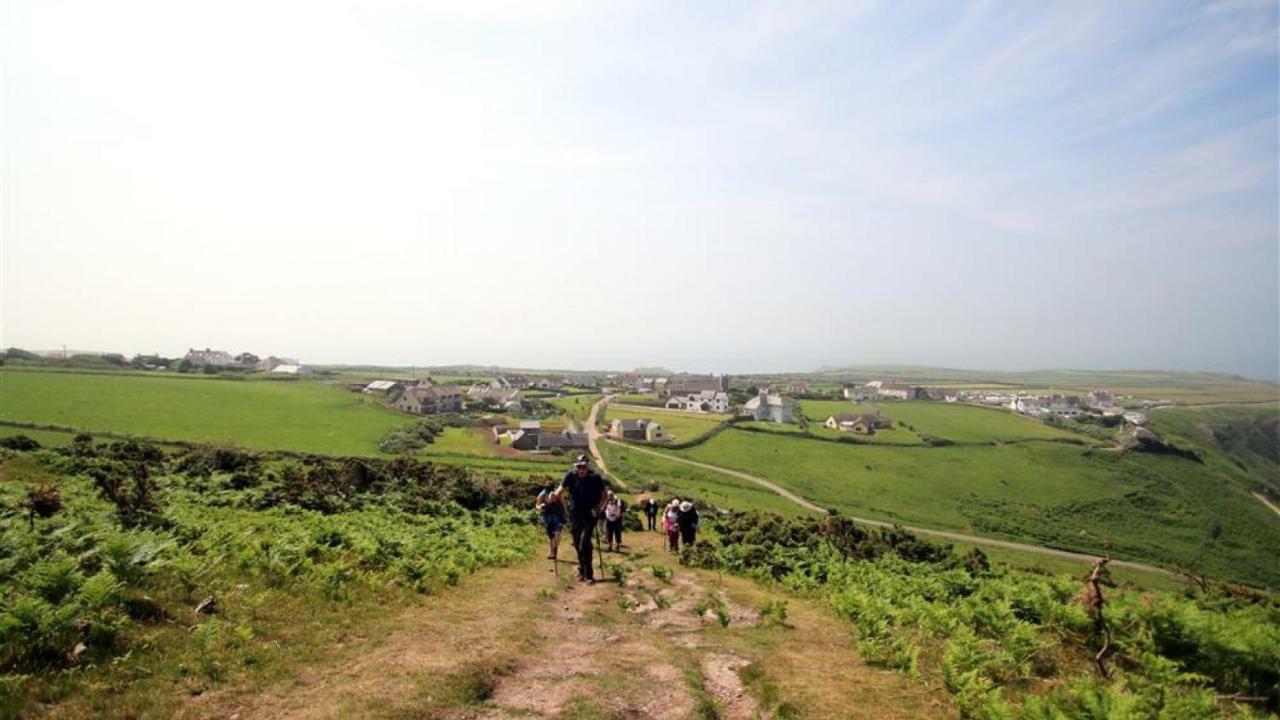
{"type": "Point", "coordinates": [952, 421]}
{"type": "Point", "coordinates": [576, 407]}
{"type": "Point", "coordinates": [1156, 508]}
{"type": "Point", "coordinates": [668, 478]}
{"type": "Point", "coordinates": [682, 426]}
{"type": "Point", "coordinates": [304, 416]}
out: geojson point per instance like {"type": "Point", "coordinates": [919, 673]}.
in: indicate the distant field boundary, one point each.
{"type": "Point", "coordinates": [189, 444]}
{"type": "Point", "coordinates": [944, 534]}
{"type": "Point", "coordinates": [247, 376]}
{"type": "Point", "coordinates": [945, 443]}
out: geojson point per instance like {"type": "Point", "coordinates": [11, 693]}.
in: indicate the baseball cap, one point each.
{"type": "Point", "coordinates": [582, 460]}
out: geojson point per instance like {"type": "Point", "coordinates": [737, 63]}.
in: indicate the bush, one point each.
{"type": "Point", "coordinates": [19, 442]}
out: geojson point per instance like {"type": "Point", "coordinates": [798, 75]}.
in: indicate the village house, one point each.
{"type": "Point", "coordinates": [770, 407]}
{"type": "Point", "coordinates": [1061, 406]}
{"type": "Point", "coordinates": [290, 370]}
{"type": "Point", "coordinates": [535, 440]}
{"type": "Point", "coordinates": [797, 387]}
{"type": "Point", "coordinates": [627, 429]}
{"type": "Point", "coordinates": [209, 358]}
{"type": "Point", "coordinates": [1098, 400]}
{"type": "Point", "coordinates": [894, 391]}
{"type": "Point", "coordinates": [270, 362]}
{"type": "Point", "coordinates": [939, 394]}
{"type": "Point", "coordinates": [688, 384]}
{"type": "Point", "coordinates": [861, 424]}
{"type": "Point", "coordinates": [643, 429]}
{"type": "Point", "coordinates": [859, 393]}
{"type": "Point", "coordinates": [497, 396]}
{"type": "Point", "coordinates": [426, 398]}
{"type": "Point", "coordinates": [705, 401]}
{"type": "Point", "coordinates": [381, 387]}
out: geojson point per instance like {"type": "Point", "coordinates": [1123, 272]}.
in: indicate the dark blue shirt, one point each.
{"type": "Point", "coordinates": [584, 493]}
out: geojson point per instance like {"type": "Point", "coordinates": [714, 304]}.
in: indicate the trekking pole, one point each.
{"type": "Point", "coordinates": [599, 550]}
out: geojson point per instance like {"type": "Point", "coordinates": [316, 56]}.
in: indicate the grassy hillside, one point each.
{"type": "Point", "coordinates": [683, 426]}
{"type": "Point", "coordinates": [1146, 507]}
{"type": "Point", "coordinates": [303, 416]}
{"type": "Point", "coordinates": [1240, 440]}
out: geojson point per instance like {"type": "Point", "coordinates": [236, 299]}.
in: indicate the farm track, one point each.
{"type": "Point", "coordinates": [812, 507]}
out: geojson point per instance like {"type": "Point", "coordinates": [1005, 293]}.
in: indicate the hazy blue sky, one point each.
{"type": "Point", "coordinates": [709, 186]}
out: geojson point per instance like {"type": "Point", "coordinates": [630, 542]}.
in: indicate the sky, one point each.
{"type": "Point", "coordinates": [710, 186]}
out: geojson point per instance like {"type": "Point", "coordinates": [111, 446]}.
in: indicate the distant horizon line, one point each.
{"type": "Point", "coordinates": [820, 370]}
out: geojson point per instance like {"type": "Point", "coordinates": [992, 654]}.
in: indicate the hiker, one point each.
{"type": "Point", "coordinates": [614, 507]}
{"type": "Point", "coordinates": [651, 512]}
{"type": "Point", "coordinates": [671, 524]}
{"type": "Point", "coordinates": [586, 493]}
{"type": "Point", "coordinates": [551, 506]}
{"type": "Point", "coordinates": [687, 519]}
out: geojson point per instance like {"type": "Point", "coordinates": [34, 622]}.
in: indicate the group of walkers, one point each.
{"type": "Point", "coordinates": [583, 501]}
{"type": "Point", "coordinates": [680, 521]}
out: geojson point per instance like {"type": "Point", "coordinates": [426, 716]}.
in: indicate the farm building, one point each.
{"type": "Point", "coordinates": [1098, 399]}
{"type": "Point", "coordinates": [647, 430]}
{"type": "Point", "coordinates": [429, 399]}
{"type": "Point", "coordinates": [536, 440]}
{"type": "Point", "coordinates": [381, 387]}
{"type": "Point", "coordinates": [289, 370]}
{"type": "Point", "coordinates": [705, 401]}
{"type": "Point", "coordinates": [770, 407]}
{"type": "Point", "coordinates": [495, 396]}
{"type": "Point", "coordinates": [210, 358]}
{"type": "Point", "coordinates": [627, 429]}
{"type": "Point", "coordinates": [692, 384]}
{"type": "Point", "coordinates": [864, 424]}
{"type": "Point", "coordinates": [269, 363]}
{"type": "Point", "coordinates": [895, 391]}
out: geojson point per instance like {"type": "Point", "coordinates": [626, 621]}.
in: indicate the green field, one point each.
{"type": "Point", "coordinates": [1154, 508]}
{"type": "Point", "coordinates": [682, 426]}
{"type": "Point", "coordinates": [955, 422]}
{"type": "Point", "coordinates": [303, 416]}
{"type": "Point", "coordinates": [643, 472]}
{"type": "Point", "coordinates": [577, 407]}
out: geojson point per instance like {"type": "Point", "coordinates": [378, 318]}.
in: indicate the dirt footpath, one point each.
{"type": "Point", "coordinates": [654, 641]}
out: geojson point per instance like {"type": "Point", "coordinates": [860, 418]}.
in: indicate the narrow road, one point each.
{"type": "Point", "coordinates": [593, 437]}
{"type": "Point", "coordinates": [808, 505]}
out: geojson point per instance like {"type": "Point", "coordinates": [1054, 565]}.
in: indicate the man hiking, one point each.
{"type": "Point", "coordinates": [688, 520]}
{"type": "Point", "coordinates": [651, 512]}
{"type": "Point", "coordinates": [551, 506]}
{"type": "Point", "coordinates": [614, 507]}
{"type": "Point", "coordinates": [586, 493]}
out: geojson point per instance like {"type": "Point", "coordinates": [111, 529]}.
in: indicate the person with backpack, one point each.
{"type": "Point", "coordinates": [687, 519]}
{"type": "Point", "coordinates": [614, 508]}
{"type": "Point", "coordinates": [585, 490]}
{"type": "Point", "coordinates": [671, 524]}
{"type": "Point", "coordinates": [651, 513]}
{"type": "Point", "coordinates": [553, 512]}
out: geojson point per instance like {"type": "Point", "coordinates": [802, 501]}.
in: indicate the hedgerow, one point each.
{"type": "Point", "coordinates": [1015, 644]}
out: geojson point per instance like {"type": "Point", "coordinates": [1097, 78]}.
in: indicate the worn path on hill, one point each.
{"type": "Point", "coordinates": [812, 507]}
{"type": "Point", "coordinates": [524, 642]}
